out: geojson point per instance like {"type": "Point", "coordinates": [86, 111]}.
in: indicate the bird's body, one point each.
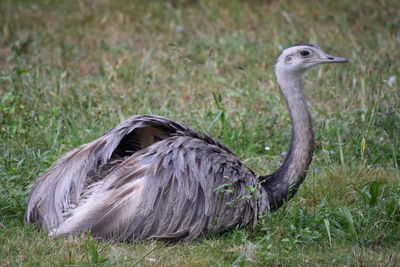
{"type": "Point", "coordinates": [151, 177]}
{"type": "Point", "coordinates": [175, 184]}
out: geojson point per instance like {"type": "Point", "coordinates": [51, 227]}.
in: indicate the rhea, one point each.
{"type": "Point", "coordinates": [154, 178]}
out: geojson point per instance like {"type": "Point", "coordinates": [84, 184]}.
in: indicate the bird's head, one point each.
{"type": "Point", "coordinates": [298, 58]}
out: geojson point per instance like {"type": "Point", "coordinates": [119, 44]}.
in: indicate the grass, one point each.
{"type": "Point", "coordinates": [70, 70]}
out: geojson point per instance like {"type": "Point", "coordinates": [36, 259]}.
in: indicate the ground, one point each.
{"type": "Point", "coordinates": [71, 70]}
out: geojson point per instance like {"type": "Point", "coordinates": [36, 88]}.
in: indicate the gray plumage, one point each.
{"type": "Point", "coordinates": [151, 177]}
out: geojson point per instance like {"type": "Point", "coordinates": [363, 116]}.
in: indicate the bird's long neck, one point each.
{"type": "Point", "coordinates": [284, 182]}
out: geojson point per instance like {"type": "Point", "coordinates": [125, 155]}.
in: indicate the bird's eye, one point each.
{"type": "Point", "coordinates": [304, 53]}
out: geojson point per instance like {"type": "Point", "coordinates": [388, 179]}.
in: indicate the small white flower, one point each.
{"type": "Point", "coordinates": [392, 80]}
{"type": "Point", "coordinates": [267, 148]}
{"type": "Point", "coordinates": [152, 260]}
{"type": "Point", "coordinates": [179, 29]}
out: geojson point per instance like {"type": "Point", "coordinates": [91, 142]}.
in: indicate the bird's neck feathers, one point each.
{"type": "Point", "coordinates": [284, 182]}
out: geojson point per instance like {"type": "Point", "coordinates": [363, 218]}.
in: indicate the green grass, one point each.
{"type": "Point", "coordinates": [70, 70]}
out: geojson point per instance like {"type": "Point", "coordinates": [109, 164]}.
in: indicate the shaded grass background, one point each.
{"type": "Point", "coordinates": [70, 70]}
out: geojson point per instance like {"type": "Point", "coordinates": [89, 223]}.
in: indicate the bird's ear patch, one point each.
{"type": "Point", "coordinates": [288, 59]}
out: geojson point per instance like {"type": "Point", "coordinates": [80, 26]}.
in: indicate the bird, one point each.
{"type": "Point", "coordinates": [153, 178]}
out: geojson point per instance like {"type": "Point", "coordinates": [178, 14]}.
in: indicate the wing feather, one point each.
{"type": "Point", "coordinates": [61, 186]}
{"type": "Point", "coordinates": [174, 189]}
{"type": "Point", "coordinates": [177, 188]}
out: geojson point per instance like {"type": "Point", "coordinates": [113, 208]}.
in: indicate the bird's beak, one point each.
{"type": "Point", "coordinates": [332, 59]}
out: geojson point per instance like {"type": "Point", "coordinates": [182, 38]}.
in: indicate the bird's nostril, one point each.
{"type": "Point", "coordinates": [330, 57]}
